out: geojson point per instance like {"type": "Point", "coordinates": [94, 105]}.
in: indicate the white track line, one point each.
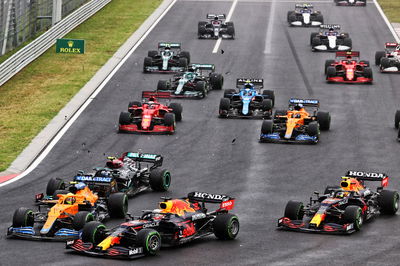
{"type": "Point", "coordinates": [59, 135]}
{"type": "Point", "coordinates": [270, 28]}
{"type": "Point", "coordinates": [218, 43]}
{"type": "Point", "coordinates": [387, 21]}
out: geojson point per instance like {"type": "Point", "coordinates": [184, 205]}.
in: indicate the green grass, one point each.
{"type": "Point", "coordinates": [391, 9]}
{"type": "Point", "coordinates": [35, 95]}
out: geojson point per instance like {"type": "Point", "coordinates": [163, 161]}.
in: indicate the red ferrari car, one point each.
{"type": "Point", "coordinates": [347, 69]}
{"type": "Point", "coordinates": [150, 116]}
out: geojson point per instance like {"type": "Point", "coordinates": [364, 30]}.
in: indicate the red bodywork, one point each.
{"type": "Point", "coordinates": [150, 111]}
{"type": "Point", "coordinates": [349, 69]}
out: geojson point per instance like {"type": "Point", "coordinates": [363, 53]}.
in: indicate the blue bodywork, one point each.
{"type": "Point", "coordinates": [274, 137]}
{"type": "Point", "coordinates": [246, 95]}
{"type": "Point", "coordinates": [28, 232]}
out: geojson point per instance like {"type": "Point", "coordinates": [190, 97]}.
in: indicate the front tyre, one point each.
{"type": "Point", "coordinates": [294, 210]}
{"type": "Point", "coordinates": [23, 217]}
{"type": "Point", "coordinates": [226, 226]}
{"type": "Point", "coordinates": [93, 232]}
{"type": "Point", "coordinates": [150, 240]}
{"type": "Point", "coordinates": [353, 215]}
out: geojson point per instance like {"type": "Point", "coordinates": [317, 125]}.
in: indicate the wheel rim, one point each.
{"type": "Point", "coordinates": [233, 227]}
{"type": "Point", "coordinates": [153, 242]}
{"type": "Point", "coordinates": [167, 180]}
{"type": "Point", "coordinates": [396, 203]}
{"type": "Point", "coordinates": [96, 234]}
{"type": "Point", "coordinates": [359, 219]}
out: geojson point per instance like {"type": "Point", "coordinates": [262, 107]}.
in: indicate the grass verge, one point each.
{"type": "Point", "coordinates": [392, 9]}
{"type": "Point", "coordinates": [35, 95]}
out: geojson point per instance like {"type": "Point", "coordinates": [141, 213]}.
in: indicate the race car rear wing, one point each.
{"type": "Point", "coordinates": [226, 202]}
{"type": "Point", "coordinates": [303, 5]}
{"type": "Point", "coordinates": [156, 159]}
{"type": "Point", "coordinates": [348, 53]}
{"type": "Point", "coordinates": [256, 82]}
{"type": "Point", "coordinates": [169, 44]}
{"type": "Point", "coordinates": [156, 94]}
{"type": "Point", "coordinates": [369, 176]}
{"type": "Point", "coordinates": [220, 16]}
{"type": "Point", "coordinates": [391, 45]}
{"type": "Point", "coordinates": [202, 66]}
{"type": "Point", "coordinates": [304, 102]}
{"type": "Point", "coordinates": [329, 26]}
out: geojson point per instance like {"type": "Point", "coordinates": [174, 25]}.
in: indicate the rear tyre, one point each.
{"type": "Point", "coordinates": [177, 110]}
{"type": "Point", "coordinates": [397, 119]}
{"type": "Point", "coordinates": [348, 42]}
{"type": "Point", "coordinates": [267, 105]}
{"type": "Point", "coordinates": [23, 217]}
{"type": "Point", "coordinates": [267, 127]}
{"type": "Point", "coordinates": [378, 56]}
{"type": "Point", "coordinates": [169, 119]}
{"type": "Point", "coordinates": [160, 179]}
{"type": "Point", "coordinates": [324, 120]}
{"type": "Point", "coordinates": [58, 192]}
{"type": "Point", "coordinates": [53, 185]}
{"type": "Point", "coordinates": [328, 63]}
{"type": "Point", "coordinates": [152, 54]}
{"type": "Point", "coordinates": [388, 202]}
{"type": "Point", "coordinates": [217, 81]}
{"type": "Point", "coordinates": [353, 214]}
{"type": "Point", "coordinates": [93, 232]}
{"type": "Point", "coordinates": [313, 129]}
{"type": "Point", "coordinates": [316, 41]}
{"type": "Point", "coordinates": [312, 36]}
{"type": "Point", "coordinates": [183, 62]}
{"type": "Point", "coordinates": [269, 94]}
{"type": "Point", "coordinates": [294, 210]}
{"type": "Point", "coordinates": [320, 18]}
{"type": "Point", "coordinates": [226, 226]}
{"type": "Point", "coordinates": [82, 218]}
{"type": "Point", "coordinates": [150, 240]}
{"type": "Point", "coordinates": [163, 85]}
{"type": "Point", "coordinates": [117, 205]}
{"type": "Point", "coordinates": [331, 72]}
{"type": "Point", "coordinates": [124, 118]}
{"type": "Point", "coordinates": [186, 55]}
{"type": "Point", "coordinates": [148, 62]}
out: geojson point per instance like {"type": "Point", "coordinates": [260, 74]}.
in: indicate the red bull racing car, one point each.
{"type": "Point", "coordinates": [342, 209]}
{"type": "Point", "coordinates": [347, 69]}
{"type": "Point", "coordinates": [177, 221]}
{"type": "Point", "coordinates": [150, 116]}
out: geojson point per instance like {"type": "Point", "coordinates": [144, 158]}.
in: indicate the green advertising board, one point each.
{"type": "Point", "coordinates": [70, 46]}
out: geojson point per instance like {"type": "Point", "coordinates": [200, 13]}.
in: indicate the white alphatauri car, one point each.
{"type": "Point", "coordinates": [351, 2]}
{"type": "Point", "coordinates": [389, 60]}
{"type": "Point", "coordinates": [330, 39]}
{"type": "Point", "coordinates": [305, 16]}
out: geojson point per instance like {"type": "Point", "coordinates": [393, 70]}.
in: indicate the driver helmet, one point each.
{"type": "Point", "coordinates": [216, 18]}
{"type": "Point", "coordinates": [69, 200]}
{"type": "Point", "coordinates": [189, 75]}
{"type": "Point", "coordinates": [298, 107]}
{"type": "Point", "coordinates": [297, 116]}
{"type": "Point", "coordinates": [247, 92]}
{"type": "Point", "coordinates": [104, 173]}
{"type": "Point", "coordinates": [331, 31]}
{"type": "Point", "coordinates": [248, 85]}
{"type": "Point", "coordinates": [340, 194]}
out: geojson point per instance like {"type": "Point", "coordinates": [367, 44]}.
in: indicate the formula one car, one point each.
{"type": "Point", "coordinates": [168, 59]}
{"type": "Point", "coordinates": [347, 69]}
{"type": "Point", "coordinates": [62, 215]}
{"type": "Point", "coordinates": [178, 221]}
{"type": "Point", "coordinates": [330, 39]}
{"type": "Point", "coordinates": [389, 60]}
{"type": "Point", "coordinates": [342, 209]}
{"type": "Point", "coordinates": [248, 102]}
{"type": "Point", "coordinates": [194, 83]}
{"type": "Point", "coordinates": [216, 28]}
{"type": "Point", "coordinates": [397, 123]}
{"type": "Point", "coordinates": [351, 2]}
{"type": "Point", "coordinates": [150, 116]}
{"type": "Point", "coordinates": [305, 16]}
{"type": "Point", "coordinates": [296, 124]}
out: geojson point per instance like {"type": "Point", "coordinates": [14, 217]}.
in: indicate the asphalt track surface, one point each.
{"type": "Point", "coordinates": [201, 156]}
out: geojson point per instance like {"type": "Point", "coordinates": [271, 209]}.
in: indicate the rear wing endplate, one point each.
{"type": "Point", "coordinates": [305, 102]}
{"type": "Point", "coordinates": [256, 82]}
{"type": "Point", "coordinates": [369, 176]}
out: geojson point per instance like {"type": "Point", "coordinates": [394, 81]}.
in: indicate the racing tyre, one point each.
{"type": "Point", "coordinates": [53, 185]}
{"type": "Point", "coordinates": [324, 120]}
{"type": "Point", "coordinates": [378, 56]}
{"type": "Point", "coordinates": [267, 127]}
{"type": "Point", "coordinates": [148, 62]}
{"type": "Point", "coordinates": [160, 179]}
{"type": "Point", "coordinates": [292, 18]}
{"type": "Point", "coordinates": [267, 105]}
{"type": "Point", "coordinates": [217, 81]}
{"type": "Point", "coordinates": [124, 118]}
{"type": "Point", "coordinates": [397, 119]}
{"type": "Point", "coordinates": [347, 42]}
{"type": "Point", "coordinates": [201, 87]}
{"type": "Point", "coordinates": [288, 15]}
{"type": "Point", "coordinates": [202, 28]}
{"type": "Point", "coordinates": [150, 240]}
{"type": "Point", "coordinates": [117, 205]}
{"type": "Point", "coordinates": [388, 202]}
{"type": "Point", "coordinates": [169, 119]}
{"type": "Point", "coordinates": [312, 36]}
{"type": "Point", "coordinates": [328, 63]}
{"type": "Point", "coordinates": [228, 93]}
{"type": "Point", "coordinates": [226, 226]}
{"type": "Point", "coordinates": [385, 62]}
{"type": "Point", "coordinates": [186, 55]}
{"type": "Point", "coordinates": [294, 210]}
{"type": "Point", "coordinates": [353, 214]}
{"type": "Point", "coordinates": [93, 232]}
{"type": "Point", "coordinates": [177, 110]}
{"type": "Point", "coordinates": [269, 94]}
{"type": "Point", "coordinates": [152, 54]}
{"type": "Point", "coordinates": [313, 129]}
{"type": "Point", "coordinates": [82, 218]}
{"type": "Point", "coordinates": [368, 72]}
{"type": "Point", "coordinates": [316, 41]}
{"type": "Point", "coordinates": [366, 62]}
{"type": "Point", "coordinates": [224, 106]}
{"type": "Point", "coordinates": [320, 18]}
{"type": "Point", "coordinates": [59, 191]}
{"type": "Point", "coordinates": [331, 72]}
{"type": "Point", "coordinates": [163, 85]}
{"type": "Point", "coordinates": [230, 29]}
{"type": "Point", "coordinates": [330, 189]}
{"type": "Point", "coordinates": [23, 217]}
{"type": "Point", "coordinates": [183, 62]}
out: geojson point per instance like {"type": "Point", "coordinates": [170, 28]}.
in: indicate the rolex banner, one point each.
{"type": "Point", "coordinates": [70, 46]}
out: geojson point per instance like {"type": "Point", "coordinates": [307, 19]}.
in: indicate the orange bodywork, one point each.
{"type": "Point", "coordinates": [294, 120]}
{"type": "Point", "coordinates": [67, 205]}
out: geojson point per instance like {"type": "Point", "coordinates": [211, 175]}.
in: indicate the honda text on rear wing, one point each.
{"type": "Point", "coordinates": [369, 176]}
{"type": "Point", "coordinates": [226, 202]}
